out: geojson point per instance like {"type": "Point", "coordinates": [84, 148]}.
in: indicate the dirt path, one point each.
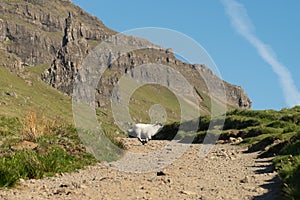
{"type": "Point", "coordinates": [226, 173]}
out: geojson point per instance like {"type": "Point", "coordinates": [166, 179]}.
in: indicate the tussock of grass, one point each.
{"type": "Point", "coordinates": [33, 127]}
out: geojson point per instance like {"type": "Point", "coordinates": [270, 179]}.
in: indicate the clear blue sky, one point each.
{"type": "Point", "coordinates": [276, 24]}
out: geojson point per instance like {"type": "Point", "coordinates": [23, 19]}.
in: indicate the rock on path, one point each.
{"type": "Point", "coordinates": [225, 173]}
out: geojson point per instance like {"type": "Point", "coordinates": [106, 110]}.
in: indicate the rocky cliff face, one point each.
{"type": "Point", "coordinates": [60, 34]}
{"type": "Point", "coordinates": [32, 30]}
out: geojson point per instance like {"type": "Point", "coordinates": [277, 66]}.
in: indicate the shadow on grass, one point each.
{"type": "Point", "coordinates": [273, 186]}
{"type": "Point", "coordinates": [274, 190]}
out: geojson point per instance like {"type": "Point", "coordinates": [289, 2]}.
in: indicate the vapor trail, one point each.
{"type": "Point", "coordinates": [243, 25]}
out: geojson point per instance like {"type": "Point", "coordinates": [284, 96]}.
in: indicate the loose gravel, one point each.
{"type": "Point", "coordinates": [225, 173]}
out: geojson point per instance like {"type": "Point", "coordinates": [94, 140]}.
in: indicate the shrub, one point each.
{"type": "Point", "coordinates": [273, 150]}
{"type": "Point", "coordinates": [59, 149]}
{"type": "Point", "coordinates": [291, 128]}
{"type": "Point", "coordinates": [204, 123]}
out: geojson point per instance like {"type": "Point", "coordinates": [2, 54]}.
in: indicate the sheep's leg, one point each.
{"type": "Point", "coordinates": [144, 142]}
{"type": "Point", "coordinates": [139, 136]}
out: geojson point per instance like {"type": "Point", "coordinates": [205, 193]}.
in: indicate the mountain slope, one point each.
{"type": "Point", "coordinates": [61, 35]}
{"type": "Point", "coordinates": [21, 95]}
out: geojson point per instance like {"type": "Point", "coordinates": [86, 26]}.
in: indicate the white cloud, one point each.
{"type": "Point", "coordinates": [243, 25]}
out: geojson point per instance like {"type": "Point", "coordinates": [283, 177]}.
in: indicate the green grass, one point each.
{"type": "Point", "coordinates": [148, 95]}
{"type": "Point", "coordinates": [9, 126]}
{"type": "Point", "coordinates": [59, 150]}
{"type": "Point", "coordinates": [289, 171]}
{"type": "Point", "coordinates": [19, 96]}
{"type": "Point", "coordinates": [30, 164]}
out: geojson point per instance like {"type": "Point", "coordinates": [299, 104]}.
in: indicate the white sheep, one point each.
{"type": "Point", "coordinates": [144, 132]}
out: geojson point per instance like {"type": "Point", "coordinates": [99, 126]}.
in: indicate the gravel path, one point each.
{"type": "Point", "coordinates": [225, 173]}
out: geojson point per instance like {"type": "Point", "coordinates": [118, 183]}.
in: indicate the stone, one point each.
{"type": "Point", "coordinates": [83, 186]}
{"type": "Point", "coordinates": [259, 190]}
{"type": "Point", "coordinates": [160, 173]}
{"type": "Point", "coordinates": [232, 140]}
{"type": "Point", "coordinates": [247, 179]}
{"type": "Point", "coordinates": [187, 192]}
{"type": "Point", "coordinates": [21, 180]}
{"type": "Point", "coordinates": [239, 140]}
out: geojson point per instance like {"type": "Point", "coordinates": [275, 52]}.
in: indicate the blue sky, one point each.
{"type": "Point", "coordinates": [263, 58]}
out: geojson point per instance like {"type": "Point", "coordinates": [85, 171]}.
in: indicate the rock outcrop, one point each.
{"type": "Point", "coordinates": [61, 35]}
{"type": "Point", "coordinates": [33, 29]}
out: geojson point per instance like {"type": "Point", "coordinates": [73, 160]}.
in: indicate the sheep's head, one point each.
{"type": "Point", "coordinates": [158, 125]}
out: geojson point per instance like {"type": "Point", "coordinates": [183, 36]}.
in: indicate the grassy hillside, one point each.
{"type": "Point", "coordinates": [273, 133]}
{"type": "Point", "coordinates": [146, 96]}
{"type": "Point", "coordinates": [37, 138]}
{"type": "Point", "coordinates": [20, 95]}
